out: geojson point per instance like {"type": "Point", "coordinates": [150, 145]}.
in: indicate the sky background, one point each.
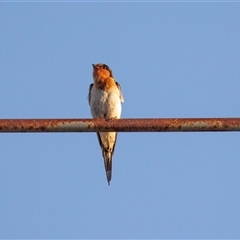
{"type": "Point", "coordinates": [172, 60]}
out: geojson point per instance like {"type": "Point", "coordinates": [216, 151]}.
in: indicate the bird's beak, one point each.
{"type": "Point", "coordinates": [94, 66]}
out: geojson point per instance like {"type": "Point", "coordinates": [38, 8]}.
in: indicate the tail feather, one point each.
{"type": "Point", "coordinates": [107, 154]}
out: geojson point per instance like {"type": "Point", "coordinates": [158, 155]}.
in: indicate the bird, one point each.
{"type": "Point", "coordinates": [105, 99]}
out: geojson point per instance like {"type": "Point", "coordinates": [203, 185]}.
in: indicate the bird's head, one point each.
{"type": "Point", "coordinates": [101, 70]}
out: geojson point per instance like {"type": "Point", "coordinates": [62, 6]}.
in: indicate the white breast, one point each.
{"type": "Point", "coordinates": [105, 104]}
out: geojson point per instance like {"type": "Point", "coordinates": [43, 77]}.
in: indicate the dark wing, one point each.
{"type": "Point", "coordinates": [121, 96]}
{"type": "Point", "coordinates": [89, 93]}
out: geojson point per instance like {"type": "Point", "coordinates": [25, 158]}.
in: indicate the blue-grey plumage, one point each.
{"type": "Point", "coordinates": [105, 100]}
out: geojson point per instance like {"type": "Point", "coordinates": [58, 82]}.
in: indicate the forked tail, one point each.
{"type": "Point", "coordinates": [107, 155]}
{"type": "Point", "coordinates": [107, 152]}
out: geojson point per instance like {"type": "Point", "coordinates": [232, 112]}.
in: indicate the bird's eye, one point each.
{"type": "Point", "coordinates": [105, 66]}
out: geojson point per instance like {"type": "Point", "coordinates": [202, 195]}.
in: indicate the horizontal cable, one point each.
{"type": "Point", "coordinates": [120, 125]}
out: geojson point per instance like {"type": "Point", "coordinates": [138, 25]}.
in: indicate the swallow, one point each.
{"type": "Point", "coordinates": [105, 99]}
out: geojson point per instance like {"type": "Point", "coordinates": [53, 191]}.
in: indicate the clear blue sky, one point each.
{"type": "Point", "coordinates": [172, 60]}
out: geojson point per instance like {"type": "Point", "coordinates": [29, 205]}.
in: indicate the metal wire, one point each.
{"type": "Point", "coordinates": [120, 125]}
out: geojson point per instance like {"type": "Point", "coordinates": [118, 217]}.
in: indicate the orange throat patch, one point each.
{"type": "Point", "coordinates": [104, 83]}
